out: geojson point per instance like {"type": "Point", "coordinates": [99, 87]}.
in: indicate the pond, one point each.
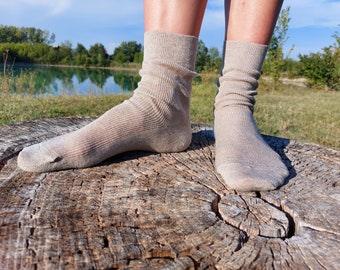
{"type": "Point", "coordinates": [56, 81]}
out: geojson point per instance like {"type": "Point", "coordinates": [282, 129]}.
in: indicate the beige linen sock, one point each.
{"type": "Point", "coordinates": [243, 158]}
{"type": "Point", "coordinates": [156, 118]}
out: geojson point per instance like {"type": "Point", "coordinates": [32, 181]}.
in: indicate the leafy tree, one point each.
{"type": "Point", "coordinates": [291, 68]}
{"type": "Point", "coordinates": [207, 59]}
{"type": "Point", "coordinates": [52, 56]}
{"type": "Point", "coordinates": [81, 57]}
{"type": "Point", "coordinates": [214, 60]}
{"type": "Point", "coordinates": [323, 68]}
{"type": "Point", "coordinates": [98, 55]}
{"type": "Point", "coordinates": [275, 60]}
{"type": "Point", "coordinates": [138, 57]}
{"type": "Point", "coordinates": [80, 49]}
{"type": "Point", "coordinates": [127, 51]}
{"type": "Point", "coordinates": [64, 54]}
{"type": "Point", "coordinates": [202, 57]}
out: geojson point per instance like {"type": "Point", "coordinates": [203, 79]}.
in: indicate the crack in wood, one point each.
{"type": "Point", "coordinates": [242, 239]}
{"type": "Point", "coordinates": [291, 227]}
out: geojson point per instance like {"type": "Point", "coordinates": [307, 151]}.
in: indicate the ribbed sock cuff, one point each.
{"type": "Point", "coordinates": [244, 55]}
{"type": "Point", "coordinates": [175, 48]}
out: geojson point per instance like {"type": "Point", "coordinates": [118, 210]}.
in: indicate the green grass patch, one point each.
{"type": "Point", "coordinates": [294, 113]}
{"type": "Point", "coordinates": [19, 108]}
{"type": "Point", "coordinates": [300, 114]}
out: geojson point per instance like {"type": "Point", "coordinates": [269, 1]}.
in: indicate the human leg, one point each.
{"type": "Point", "coordinates": [176, 16]}
{"type": "Point", "coordinates": [243, 158]}
{"type": "Point", "coordinates": [155, 118]}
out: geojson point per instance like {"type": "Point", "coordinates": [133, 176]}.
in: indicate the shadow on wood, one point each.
{"type": "Point", "coordinates": [154, 211]}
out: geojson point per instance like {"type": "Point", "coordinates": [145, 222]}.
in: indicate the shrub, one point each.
{"type": "Point", "coordinates": [323, 68]}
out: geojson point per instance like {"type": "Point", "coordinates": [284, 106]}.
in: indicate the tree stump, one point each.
{"type": "Point", "coordinates": [142, 210]}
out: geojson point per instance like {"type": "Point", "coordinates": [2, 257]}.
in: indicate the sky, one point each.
{"type": "Point", "coordinates": [313, 22]}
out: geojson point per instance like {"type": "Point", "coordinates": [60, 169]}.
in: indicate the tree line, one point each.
{"type": "Point", "coordinates": [30, 35]}
{"type": "Point", "coordinates": [31, 45]}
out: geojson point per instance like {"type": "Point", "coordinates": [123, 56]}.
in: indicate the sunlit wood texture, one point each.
{"type": "Point", "coordinates": [154, 211]}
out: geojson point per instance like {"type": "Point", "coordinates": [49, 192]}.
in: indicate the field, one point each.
{"type": "Point", "coordinates": [291, 112]}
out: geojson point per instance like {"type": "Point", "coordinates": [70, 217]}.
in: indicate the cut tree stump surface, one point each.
{"type": "Point", "coordinates": [142, 210]}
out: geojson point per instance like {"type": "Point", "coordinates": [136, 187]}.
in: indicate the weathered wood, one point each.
{"type": "Point", "coordinates": [154, 211]}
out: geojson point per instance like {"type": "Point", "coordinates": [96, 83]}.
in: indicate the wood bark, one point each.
{"type": "Point", "coordinates": [142, 210]}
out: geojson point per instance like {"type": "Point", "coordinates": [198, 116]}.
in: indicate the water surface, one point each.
{"type": "Point", "coordinates": [56, 81]}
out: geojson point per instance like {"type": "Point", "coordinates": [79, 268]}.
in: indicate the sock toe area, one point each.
{"type": "Point", "coordinates": [251, 178]}
{"type": "Point", "coordinates": [35, 158]}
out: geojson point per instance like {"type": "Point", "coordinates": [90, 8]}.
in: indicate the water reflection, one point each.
{"type": "Point", "coordinates": [41, 81]}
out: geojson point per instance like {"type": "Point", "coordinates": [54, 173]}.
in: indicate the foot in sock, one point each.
{"type": "Point", "coordinates": [243, 158]}
{"type": "Point", "coordinates": [132, 125]}
{"type": "Point", "coordinates": [156, 118]}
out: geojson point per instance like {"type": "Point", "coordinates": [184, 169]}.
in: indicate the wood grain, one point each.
{"type": "Point", "coordinates": [144, 210]}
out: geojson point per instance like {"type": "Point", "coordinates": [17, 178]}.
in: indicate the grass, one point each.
{"type": "Point", "coordinates": [294, 113]}
{"type": "Point", "coordinates": [21, 108]}
{"type": "Point", "coordinates": [291, 112]}
{"type": "Point", "coordinates": [301, 114]}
